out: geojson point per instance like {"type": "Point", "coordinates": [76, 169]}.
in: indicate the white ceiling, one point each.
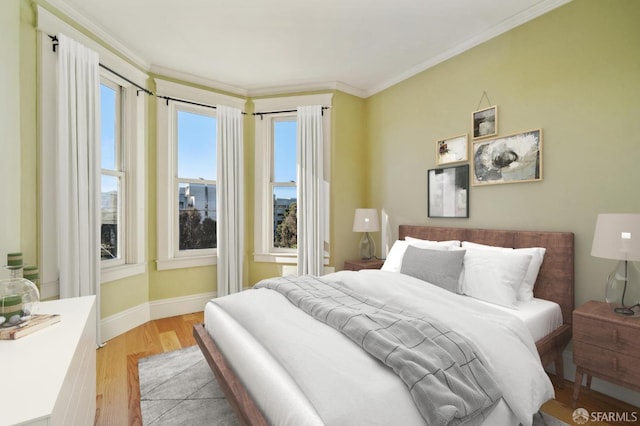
{"type": "Point", "coordinates": [256, 47]}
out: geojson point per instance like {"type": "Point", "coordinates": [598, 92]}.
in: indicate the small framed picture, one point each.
{"type": "Point", "coordinates": [508, 159]}
{"type": "Point", "coordinates": [485, 122]}
{"type": "Point", "coordinates": [448, 192]}
{"type": "Point", "coordinates": [452, 150]}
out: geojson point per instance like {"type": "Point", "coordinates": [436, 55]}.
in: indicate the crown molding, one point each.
{"type": "Point", "coordinates": [307, 87]}
{"type": "Point", "coordinates": [195, 79]}
{"type": "Point", "coordinates": [101, 34]}
{"type": "Point", "coordinates": [506, 25]}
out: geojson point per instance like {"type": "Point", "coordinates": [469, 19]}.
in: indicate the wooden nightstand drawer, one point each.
{"type": "Point", "coordinates": [606, 335]}
{"type": "Point", "coordinates": [606, 345]}
{"type": "Point", "coordinates": [607, 362]}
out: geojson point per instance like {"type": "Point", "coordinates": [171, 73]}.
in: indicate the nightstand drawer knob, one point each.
{"type": "Point", "coordinates": [615, 335]}
{"type": "Point", "coordinates": [614, 364]}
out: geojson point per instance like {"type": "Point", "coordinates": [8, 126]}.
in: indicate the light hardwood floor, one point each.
{"type": "Point", "coordinates": [118, 395]}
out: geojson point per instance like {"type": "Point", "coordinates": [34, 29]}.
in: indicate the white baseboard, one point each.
{"type": "Point", "coordinates": [179, 305]}
{"type": "Point", "coordinates": [124, 321]}
{"type": "Point", "coordinates": [49, 290]}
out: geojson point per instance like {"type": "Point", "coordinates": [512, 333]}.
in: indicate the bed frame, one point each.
{"type": "Point", "coordinates": [555, 282]}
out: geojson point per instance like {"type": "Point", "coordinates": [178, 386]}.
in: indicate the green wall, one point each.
{"type": "Point", "coordinates": [575, 73]}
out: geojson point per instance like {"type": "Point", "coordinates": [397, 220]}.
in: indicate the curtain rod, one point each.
{"type": "Point", "coordinates": [169, 98]}
{"type": "Point", "coordinates": [54, 43]}
{"type": "Point", "coordinates": [287, 110]}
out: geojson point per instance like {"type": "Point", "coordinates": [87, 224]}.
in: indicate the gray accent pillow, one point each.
{"type": "Point", "coordinates": [438, 267]}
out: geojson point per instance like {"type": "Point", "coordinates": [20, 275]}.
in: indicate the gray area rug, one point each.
{"type": "Point", "coordinates": [178, 388]}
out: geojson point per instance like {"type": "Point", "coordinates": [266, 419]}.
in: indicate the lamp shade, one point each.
{"type": "Point", "coordinates": [617, 236]}
{"type": "Point", "coordinates": [366, 220]}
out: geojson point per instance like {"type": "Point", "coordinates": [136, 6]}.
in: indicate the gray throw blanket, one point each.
{"type": "Point", "coordinates": [446, 379]}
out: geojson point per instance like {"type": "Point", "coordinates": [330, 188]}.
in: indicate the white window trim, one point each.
{"type": "Point", "coordinates": [263, 239]}
{"type": "Point", "coordinates": [134, 130]}
{"type": "Point", "coordinates": [168, 258]}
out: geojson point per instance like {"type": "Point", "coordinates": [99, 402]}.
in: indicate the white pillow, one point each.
{"type": "Point", "coordinates": [494, 275]}
{"type": "Point", "coordinates": [525, 291]}
{"type": "Point", "coordinates": [417, 242]}
{"type": "Point", "coordinates": [393, 262]}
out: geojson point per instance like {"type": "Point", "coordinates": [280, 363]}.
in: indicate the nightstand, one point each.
{"type": "Point", "coordinates": [356, 265]}
{"type": "Point", "coordinates": [606, 345]}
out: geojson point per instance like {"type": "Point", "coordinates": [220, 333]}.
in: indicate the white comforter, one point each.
{"type": "Point", "coordinates": [339, 379]}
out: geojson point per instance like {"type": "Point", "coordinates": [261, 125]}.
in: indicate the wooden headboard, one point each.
{"type": "Point", "coordinates": [556, 277]}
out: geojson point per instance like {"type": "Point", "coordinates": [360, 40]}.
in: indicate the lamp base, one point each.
{"type": "Point", "coordinates": [367, 247]}
{"type": "Point", "coordinates": [625, 311]}
{"type": "Point", "coordinates": [622, 290]}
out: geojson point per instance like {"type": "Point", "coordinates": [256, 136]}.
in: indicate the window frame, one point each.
{"type": "Point", "coordinates": [169, 256]}
{"type": "Point", "coordinates": [118, 172]}
{"type": "Point", "coordinates": [194, 109]}
{"type": "Point", "coordinates": [291, 117]}
{"type": "Point", "coordinates": [264, 155]}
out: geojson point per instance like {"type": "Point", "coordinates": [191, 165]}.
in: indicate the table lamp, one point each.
{"type": "Point", "coordinates": [366, 220]}
{"type": "Point", "coordinates": [617, 236]}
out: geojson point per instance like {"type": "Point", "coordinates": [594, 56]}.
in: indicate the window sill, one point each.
{"type": "Point", "coordinates": [185, 262]}
{"type": "Point", "coordinates": [276, 258]}
{"type": "Point", "coordinates": [280, 258]}
{"type": "Point", "coordinates": [119, 272]}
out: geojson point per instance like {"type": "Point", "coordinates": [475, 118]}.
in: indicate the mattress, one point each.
{"type": "Point", "coordinates": [327, 378]}
{"type": "Point", "coordinates": [540, 316]}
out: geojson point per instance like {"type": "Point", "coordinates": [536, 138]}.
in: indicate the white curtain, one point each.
{"type": "Point", "coordinates": [311, 202]}
{"type": "Point", "coordinates": [78, 172]}
{"type": "Point", "coordinates": [230, 200]}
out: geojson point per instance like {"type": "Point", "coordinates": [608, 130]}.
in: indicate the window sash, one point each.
{"type": "Point", "coordinates": [176, 214]}
{"type": "Point", "coordinates": [119, 110]}
{"type": "Point", "coordinates": [120, 259]}
{"type": "Point", "coordinates": [273, 184]}
{"type": "Point", "coordinates": [119, 174]}
{"type": "Point", "coordinates": [177, 252]}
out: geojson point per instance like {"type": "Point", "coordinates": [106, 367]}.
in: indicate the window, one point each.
{"type": "Point", "coordinates": [112, 175]}
{"type": "Point", "coordinates": [187, 173]}
{"type": "Point", "coordinates": [196, 180]}
{"type": "Point", "coordinates": [276, 176]}
{"type": "Point", "coordinates": [283, 184]}
{"type": "Point", "coordinates": [122, 229]}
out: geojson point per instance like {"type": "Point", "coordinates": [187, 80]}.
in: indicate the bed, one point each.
{"type": "Point", "coordinates": [270, 379]}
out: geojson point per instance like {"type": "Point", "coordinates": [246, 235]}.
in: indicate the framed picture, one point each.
{"type": "Point", "coordinates": [452, 150]}
{"type": "Point", "coordinates": [508, 159]}
{"type": "Point", "coordinates": [448, 192]}
{"type": "Point", "coordinates": [485, 122]}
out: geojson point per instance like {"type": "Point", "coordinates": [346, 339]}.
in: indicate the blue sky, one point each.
{"type": "Point", "coordinates": [285, 157]}
{"type": "Point", "coordinates": [197, 147]}
{"type": "Point", "coordinates": [107, 131]}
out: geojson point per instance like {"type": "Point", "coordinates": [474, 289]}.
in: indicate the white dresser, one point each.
{"type": "Point", "coordinates": [49, 377]}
